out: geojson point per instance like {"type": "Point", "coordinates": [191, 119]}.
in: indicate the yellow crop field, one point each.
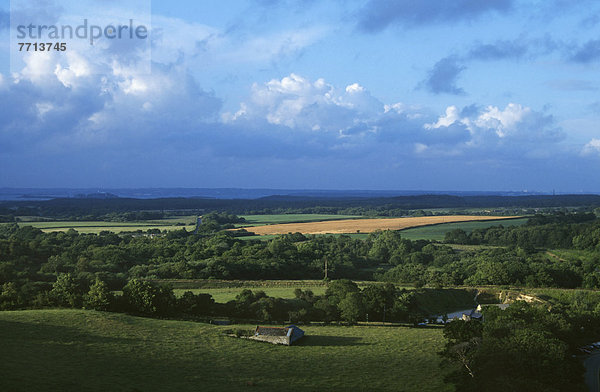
{"type": "Point", "coordinates": [366, 225]}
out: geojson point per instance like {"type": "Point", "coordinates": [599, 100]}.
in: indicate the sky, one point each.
{"type": "Point", "coordinates": [497, 95]}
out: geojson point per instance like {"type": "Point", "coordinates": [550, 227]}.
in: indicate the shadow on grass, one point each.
{"type": "Point", "coordinates": [323, 340]}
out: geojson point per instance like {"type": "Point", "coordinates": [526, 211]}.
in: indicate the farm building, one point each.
{"type": "Point", "coordinates": [277, 335]}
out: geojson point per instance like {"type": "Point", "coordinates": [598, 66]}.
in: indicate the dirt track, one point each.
{"type": "Point", "coordinates": [365, 225]}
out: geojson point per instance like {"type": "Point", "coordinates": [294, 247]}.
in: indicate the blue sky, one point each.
{"type": "Point", "coordinates": [370, 94]}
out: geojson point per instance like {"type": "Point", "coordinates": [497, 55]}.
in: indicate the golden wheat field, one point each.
{"type": "Point", "coordinates": [366, 225]}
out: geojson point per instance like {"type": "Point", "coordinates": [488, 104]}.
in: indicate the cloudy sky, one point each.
{"type": "Point", "coordinates": [369, 94]}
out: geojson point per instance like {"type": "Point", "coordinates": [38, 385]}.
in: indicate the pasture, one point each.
{"type": "Point", "coordinates": [366, 225]}
{"type": "Point", "coordinates": [223, 290]}
{"type": "Point", "coordinates": [259, 220]}
{"type": "Point", "coordinates": [437, 232]}
{"type": "Point", "coordinates": [170, 223]}
{"type": "Point", "coordinates": [224, 295]}
{"type": "Point", "coordinates": [77, 350]}
{"type": "Point", "coordinates": [96, 227]}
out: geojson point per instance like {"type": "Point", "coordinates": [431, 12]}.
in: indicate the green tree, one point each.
{"type": "Point", "coordinates": [66, 291]}
{"type": "Point", "coordinates": [147, 298]}
{"type": "Point", "coordinates": [195, 304]}
{"type": "Point", "coordinates": [9, 296]}
{"type": "Point", "coordinates": [352, 307]}
{"type": "Point", "coordinates": [99, 297]}
{"type": "Point", "coordinates": [337, 290]}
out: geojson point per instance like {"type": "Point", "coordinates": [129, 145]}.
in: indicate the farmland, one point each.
{"type": "Point", "coordinates": [74, 350]}
{"type": "Point", "coordinates": [259, 220]}
{"type": "Point", "coordinates": [224, 291]}
{"type": "Point", "coordinates": [365, 225]}
{"type": "Point", "coordinates": [170, 223]}
{"type": "Point", "coordinates": [437, 232]}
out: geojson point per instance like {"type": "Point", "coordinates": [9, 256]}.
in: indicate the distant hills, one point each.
{"type": "Point", "coordinates": [104, 203]}
{"type": "Point", "coordinates": [227, 193]}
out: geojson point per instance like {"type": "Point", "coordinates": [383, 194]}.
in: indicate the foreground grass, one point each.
{"type": "Point", "coordinates": [75, 350]}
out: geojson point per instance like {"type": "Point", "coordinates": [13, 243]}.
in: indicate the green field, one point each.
{"type": "Point", "coordinates": [437, 232]}
{"type": "Point", "coordinates": [95, 227]}
{"type": "Point", "coordinates": [172, 223]}
{"type": "Point", "coordinates": [258, 220]}
{"type": "Point", "coordinates": [227, 294]}
{"type": "Point", "coordinates": [76, 350]}
{"type": "Point", "coordinates": [98, 226]}
{"type": "Point", "coordinates": [223, 291]}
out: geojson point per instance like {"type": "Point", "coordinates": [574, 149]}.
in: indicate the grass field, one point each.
{"type": "Point", "coordinates": [365, 225]}
{"type": "Point", "coordinates": [171, 223]}
{"type": "Point", "coordinates": [432, 300]}
{"type": "Point", "coordinates": [98, 226]}
{"type": "Point", "coordinates": [223, 295]}
{"type": "Point", "coordinates": [223, 291]}
{"type": "Point", "coordinates": [259, 220]}
{"type": "Point", "coordinates": [76, 350]}
{"type": "Point", "coordinates": [437, 232]}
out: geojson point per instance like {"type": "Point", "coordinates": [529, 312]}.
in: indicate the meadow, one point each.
{"type": "Point", "coordinates": [77, 350]}
{"type": "Point", "coordinates": [437, 232]}
{"type": "Point", "coordinates": [224, 295]}
{"type": "Point", "coordinates": [171, 223]}
{"type": "Point", "coordinates": [259, 220]}
{"type": "Point", "coordinates": [95, 227]}
{"type": "Point", "coordinates": [226, 290]}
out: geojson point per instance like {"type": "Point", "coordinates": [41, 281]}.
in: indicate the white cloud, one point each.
{"type": "Point", "coordinates": [592, 147]}
{"type": "Point", "coordinates": [296, 102]}
{"type": "Point", "coordinates": [355, 88]}
{"type": "Point", "coordinates": [78, 67]}
{"type": "Point", "coordinates": [504, 121]}
{"type": "Point", "coordinates": [452, 115]}
{"type": "Point", "coordinates": [514, 121]}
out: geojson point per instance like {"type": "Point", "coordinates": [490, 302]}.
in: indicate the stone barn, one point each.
{"type": "Point", "coordinates": [277, 335]}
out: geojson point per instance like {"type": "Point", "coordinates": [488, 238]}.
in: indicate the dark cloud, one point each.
{"type": "Point", "coordinates": [498, 51]}
{"type": "Point", "coordinates": [443, 77]}
{"type": "Point", "coordinates": [588, 52]}
{"type": "Point", "coordinates": [513, 49]}
{"type": "Point", "coordinates": [380, 14]}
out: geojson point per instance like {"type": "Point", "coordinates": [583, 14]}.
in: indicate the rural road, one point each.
{"type": "Point", "coordinates": [592, 372]}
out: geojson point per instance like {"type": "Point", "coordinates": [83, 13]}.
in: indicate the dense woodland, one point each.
{"type": "Point", "coordinates": [519, 256]}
